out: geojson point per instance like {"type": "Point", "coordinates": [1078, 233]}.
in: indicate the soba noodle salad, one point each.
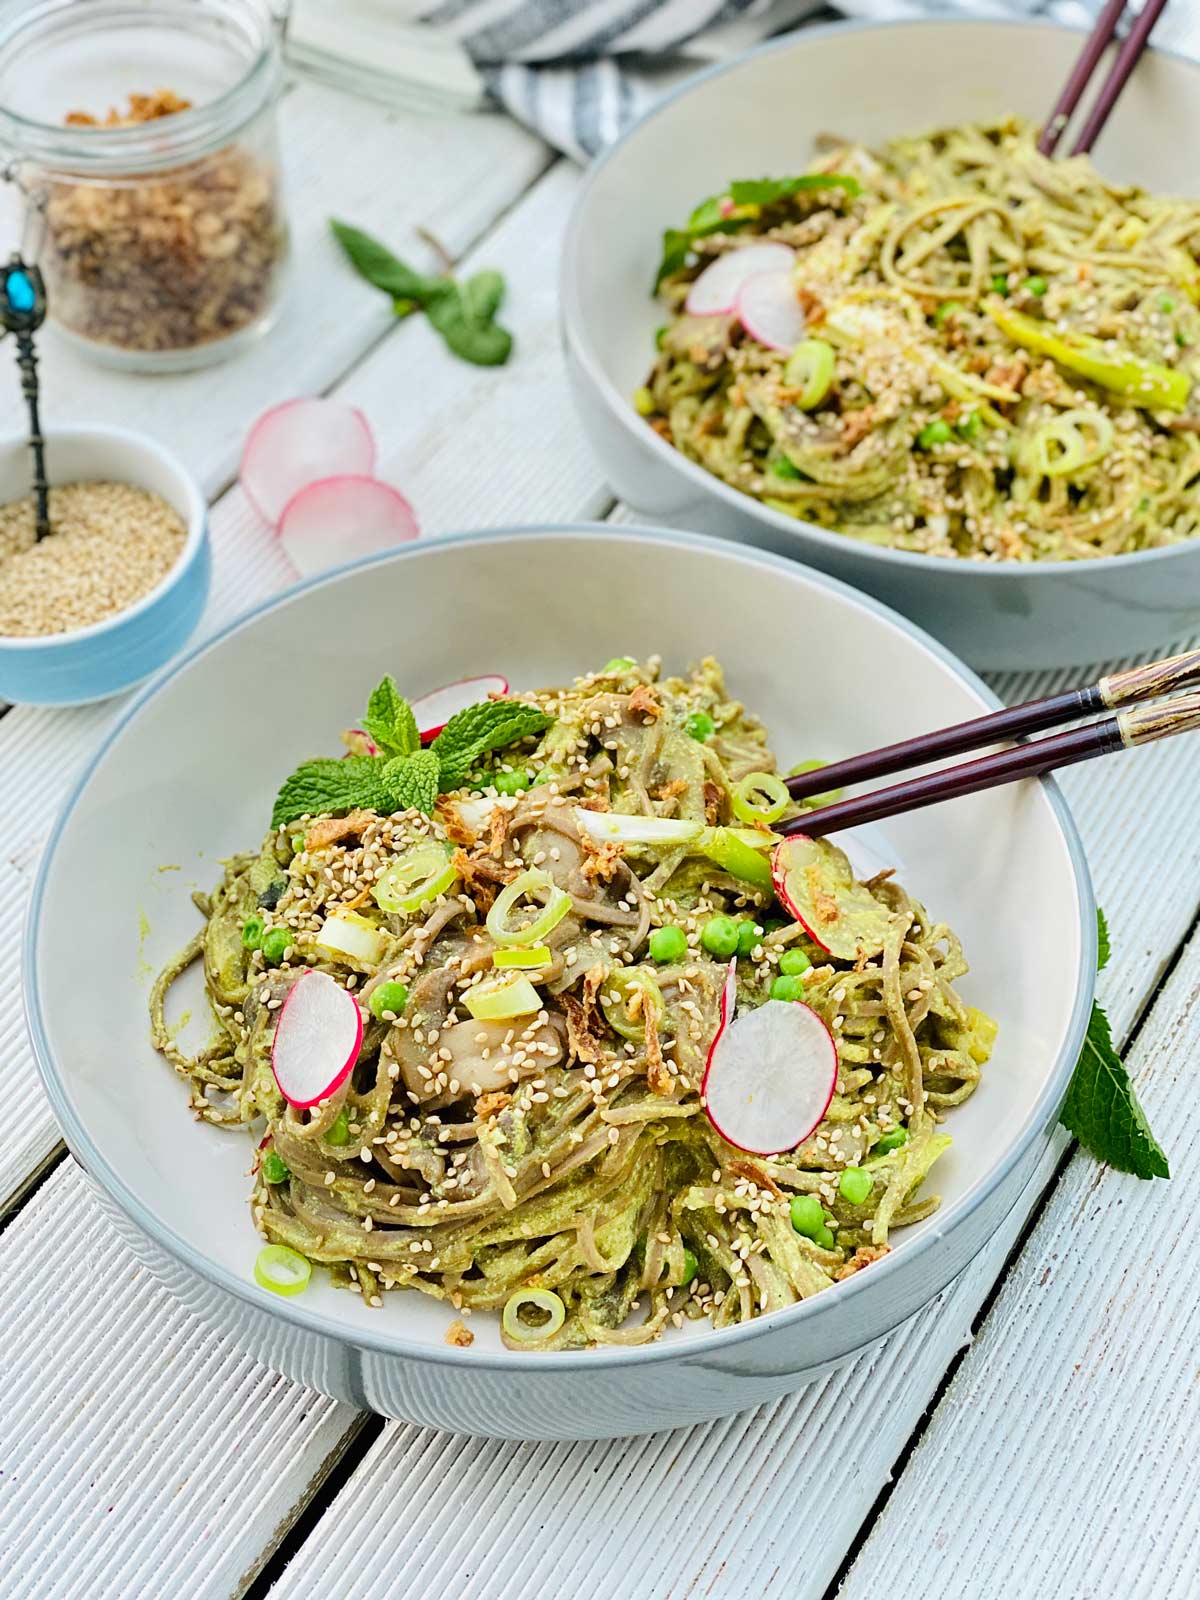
{"type": "Point", "coordinates": [541, 1018]}
{"type": "Point", "coordinates": [951, 345]}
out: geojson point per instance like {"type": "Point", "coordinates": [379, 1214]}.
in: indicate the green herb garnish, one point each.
{"type": "Point", "coordinates": [464, 314]}
{"type": "Point", "coordinates": [404, 777]}
{"type": "Point", "coordinates": [1101, 1109]}
{"type": "Point", "coordinates": [741, 205]}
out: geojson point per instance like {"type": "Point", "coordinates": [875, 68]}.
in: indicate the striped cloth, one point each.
{"type": "Point", "coordinates": [579, 71]}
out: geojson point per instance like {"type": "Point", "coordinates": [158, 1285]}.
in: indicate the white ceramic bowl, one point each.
{"type": "Point", "coordinates": [831, 671]}
{"type": "Point", "coordinates": [759, 114]}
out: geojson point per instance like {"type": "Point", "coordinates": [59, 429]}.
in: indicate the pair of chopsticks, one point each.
{"type": "Point", "coordinates": [1098, 42]}
{"type": "Point", "coordinates": [1119, 730]}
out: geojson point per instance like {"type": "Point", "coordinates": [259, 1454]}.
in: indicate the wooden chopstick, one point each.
{"type": "Point", "coordinates": [1033, 716]}
{"type": "Point", "coordinates": [1123, 731]}
{"type": "Point", "coordinates": [1096, 44]}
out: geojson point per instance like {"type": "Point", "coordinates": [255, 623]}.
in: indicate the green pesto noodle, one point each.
{"type": "Point", "coordinates": [943, 431]}
{"type": "Point", "coordinates": [568, 1151]}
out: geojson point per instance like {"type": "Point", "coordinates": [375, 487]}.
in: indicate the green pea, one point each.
{"type": "Point", "coordinates": [892, 1141]}
{"type": "Point", "coordinates": [787, 988]}
{"type": "Point", "coordinates": [1000, 283]}
{"type": "Point", "coordinates": [617, 666]}
{"type": "Point", "coordinates": [510, 782]}
{"type": "Point", "coordinates": [1165, 304]}
{"type": "Point", "coordinates": [390, 996]}
{"type": "Point", "coordinates": [700, 726]}
{"type": "Point", "coordinates": [275, 1169]}
{"type": "Point", "coordinates": [749, 935]}
{"type": "Point", "coordinates": [252, 933]}
{"type": "Point", "coordinates": [668, 944]}
{"type": "Point", "coordinates": [783, 468]}
{"type": "Point", "coordinates": [824, 1238]}
{"type": "Point", "coordinates": [970, 426]}
{"type": "Point", "coordinates": [935, 432]}
{"type": "Point", "coordinates": [643, 402]}
{"type": "Point", "coordinates": [793, 962]}
{"type": "Point", "coordinates": [275, 945]}
{"type": "Point", "coordinates": [946, 309]}
{"type": "Point", "coordinates": [807, 1216]}
{"type": "Point", "coordinates": [1180, 338]}
{"type": "Point", "coordinates": [855, 1186]}
{"type": "Point", "coordinates": [690, 1268]}
{"type": "Point", "coordinates": [1036, 285]}
{"type": "Point", "coordinates": [297, 842]}
{"type": "Point", "coordinates": [339, 1133]}
{"type": "Point", "coordinates": [719, 937]}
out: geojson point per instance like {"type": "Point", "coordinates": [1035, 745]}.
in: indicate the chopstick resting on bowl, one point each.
{"type": "Point", "coordinates": [1128, 57]}
{"type": "Point", "coordinates": [1140, 724]}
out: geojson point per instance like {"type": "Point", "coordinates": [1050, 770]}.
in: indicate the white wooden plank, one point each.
{"type": "Point", "coordinates": [386, 170]}
{"type": "Point", "coordinates": [1063, 1458]}
{"type": "Point", "coordinates": [143, 1455]}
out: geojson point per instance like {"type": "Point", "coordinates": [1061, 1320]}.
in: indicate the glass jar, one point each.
{"type": "Point", "coordinates": [145, 131]}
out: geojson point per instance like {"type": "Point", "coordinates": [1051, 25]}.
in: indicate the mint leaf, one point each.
{"type": "Point", "coordinates": [471, 733]}
{"type": "Point", "coordinates": [331, 785]}
{"type": "Point", "coordinates": [412, 781]}
{"type": "Point", "coordinates": [376, 263]}
{"type": "Point", "coordinates": [767, 191]}
{"type": "Point", "coordinates": [479, 340]}
{"type": "Point", "coordinates": [482, 295]}
{"type": "Point", "coordinates": [1102, 1111]}
{"type": "Point", "coordinates": [1103, 948]}
{"type": "Point", "coordinates": [389, 720]}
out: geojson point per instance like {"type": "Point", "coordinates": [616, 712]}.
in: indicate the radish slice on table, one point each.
{"type": "Point", "coordinates": [298, 442]}
{"type": "Point", "coordinates": [339, 519]}
{"type": "Point", "coordinates": [816, 883]}
{"type": "Point", "coordinates": [317, 1040]}
{"type": "Point", "coordinates": [770, 1077]}
{"type": "Point", "coordinates": [434, 710]}
{"type": "Point", "coordinates": [716, 289]}
{"type": "Point", "coordinates": [769, 310]}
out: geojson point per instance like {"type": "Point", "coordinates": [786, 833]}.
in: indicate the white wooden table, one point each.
{"type": "Point", "coordinates": [1035, 1433]}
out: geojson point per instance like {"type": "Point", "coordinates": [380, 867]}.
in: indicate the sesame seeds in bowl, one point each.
{"type": "Point", "coordinates": [118, 585]}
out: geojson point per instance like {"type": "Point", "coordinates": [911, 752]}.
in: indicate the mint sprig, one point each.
{"type": "Point", "coordinates": [1101, 1108]}
{"type": "Point", "coordinates": [404, 777]}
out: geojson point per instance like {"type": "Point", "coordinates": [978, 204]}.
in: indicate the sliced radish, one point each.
{"type": "Point", "coordinates": [614, 827]}
{"type": "Point", "coordinates": [296, 443]}
{"type": "Point", "coordinates": [816, 883]}
{"type": "Point", "coordinates": [317, 1040]}
{"type": "Point", "coordinates": [434, 710]}
{"type": "Point", "coordinates": [339, 519]}
{"type": "Point", "coordinates": [716, 289]}
{"type": "Point", "coordinates": [769, 310]}
{"type": "Point", "coordinates": [770, 1077]}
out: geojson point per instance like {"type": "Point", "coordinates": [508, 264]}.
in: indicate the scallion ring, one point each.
{"type": "Point", "coordinates": [281, 1269]}
{"type": "Point", "coordinates": [541, 1300]}
{"type": "Point", "coordinates": [810, 369]}
{"type": "Point", "coordinates": [759, 797]}
{"type": "Point", "coordinates": [533, 882]}
{"type": "Point", "coordinates": [624, 997]}
{"type": "Point", "coordinates": [414, 879]}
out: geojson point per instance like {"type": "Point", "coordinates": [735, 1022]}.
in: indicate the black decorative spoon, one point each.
{"type": "Point", "coordinates": [22, 312]}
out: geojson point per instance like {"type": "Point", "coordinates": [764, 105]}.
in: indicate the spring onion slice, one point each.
{"type": "Point", "coordinates": [281, 1269]}
{"type": "Point", "coordinates": [532, 882]}
{"type": "Point", "coordinates": [624, 997]}
{"type": "Point", "coordinates": [540, 1299]}
{"type": "Point", "coordinates": [512, 997]}
{"type": "Point", "coordinates": [1143, 383]}
{"type": "Point", "coordinates": [1060, 447]}
{"type": "Point", "coordinates": [810, 369]}
{"type": "Point", "coordinates": [739, 859]}
{"type": "Point", "coordinates": [537, 955]}
{"type": "Point", "coordinates": [749, 794]}
{"type": "Point", "coordinates": [415, 878]}
{"type": "Point", "coordinates": [345, 933]}
{"type": "Point", "coordinates": [614, 827]}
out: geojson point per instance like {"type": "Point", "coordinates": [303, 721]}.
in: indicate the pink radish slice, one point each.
{"type": "Point", "coordinates": [769, 310]}
{"type": "Point", "coordinates": [434, 710]}
{"type": "Point", "coordinates": [340, 519]}
{"type": "Point", "coordinates": [317, 1040]}
{"type": "Point", "coordinates": [770, 1077]}
{"type": "Point", "coordinates": [716, 289]}
{"type": "Point", "coordinates": [298, 442]}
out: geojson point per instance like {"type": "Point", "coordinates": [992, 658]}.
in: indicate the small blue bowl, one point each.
{"type": "Point", "coordinates": [70, 669]}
